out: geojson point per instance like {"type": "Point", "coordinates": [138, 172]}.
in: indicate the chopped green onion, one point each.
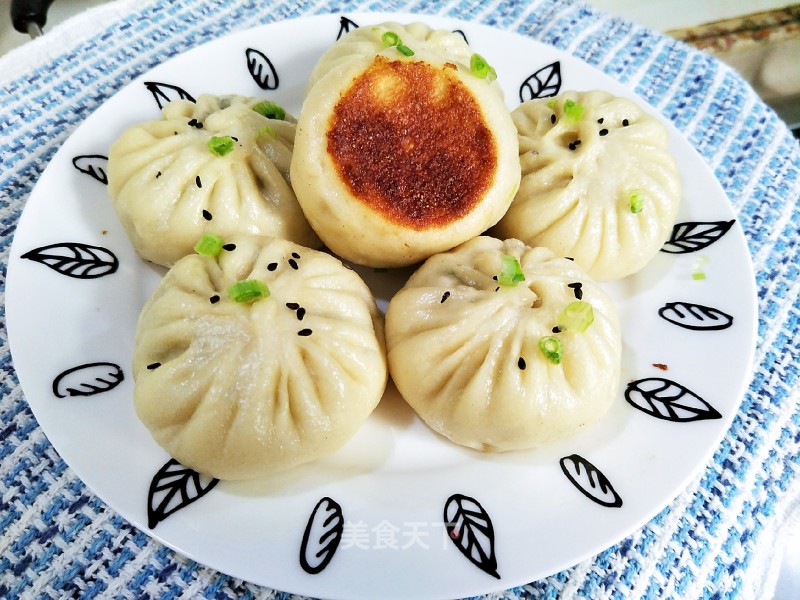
{"type": "Point", "coordinates": [511, 273]}
{"type": "Point", "coordinates": [220, 145]}
{"type": "Point", "coordinates": [390, 38]}
{"type": "Point", "coordinates": [405, 50]}
{"type": "Point", "coordinates": [481, 69]}
{"type": "Point", "coordinates": [268, 131]}
{"type": "Point", "coordinates": [637, 201]}
{"type": "Point", "coordinates": [573, 111]}
{"type": "Point", "coordinates": [270, 109]}
{"type": "Point", "coordinates": [248, 290]}
{"type": "Point", "coordinates": [552, 103]}
{"type": "Point", "coordinates": [551, 347]}
{"type": "Point", "coordinates": [576, 316]}
{"type": "Point", "coordinates": [209, 245]}
{"type": "Point", "coordinates": [698, 272]}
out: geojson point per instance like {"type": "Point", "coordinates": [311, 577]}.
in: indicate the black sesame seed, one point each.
{"type": "Point", "coordinates": [292, 305]}
{"type": "Point", "coordinates": [235, 139]}
{"type": "Point", "coordinates": [295, 255]}
{"type": "Point", "coordinates": [494, 277]}
{"type": "Point", "coordinates": [158, 174]}
{"type": "Point", "coordinates": [214, 299]}
{"type": "Point", "coordinates": [229, 247]}
{"type": "Point", "coordinates": [569, 258]}
{"type": "Point", "coordinates": [521, 363]}
{"type": "Point", "coordinates": [553, 119]}
{"type": "Point", "coordinates": [576, 289]}
{"type": "Point", "coordinates": [600, 120]}
{"type": "Point", "coordinates": [625, 122]}
{"type": "Point", "coordinates": [603, 132]}
{"type": "Point", "coordinates": [497, 289]}
{"type": "Point", "coordinates": [304, 332]}
{"type": "Point", "coordinates": [301, 312]}
{"type": "Point", "coordinates": [272, 266]}
{"type": "Point", "coordinates": [577, 142]}
{"type": "Point", "coordinates": [192, 123]}
{"type": "Point", "coordinates": [556, 329]}
{"type": "Point", "coordinates": [293, 263]}
{"type": "Point", "coordinates": [445, 296]}
{"type": "Point", "coordinates": [154, 365]}
{"type": "Point", "coordinates": [207, 215]}
{"type": "Point", "coordinates": [572, 145]}
{"type": "Point", "coordinates": [198, 125]}
{"type": "Point", "coordinates": [197, 181]}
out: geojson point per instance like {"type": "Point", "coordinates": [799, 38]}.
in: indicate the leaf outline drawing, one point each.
{"type": "Point", "coordinates": [590, 480]}
{"type": "Point", "coordinates": [695, 317]}
{"type": "Point", "coordinates": [691, 236]}
{"type": "Point", "coordinates": [261, 69]}
{"type": "Point", "coordinates": [174, 487]}
{"type": "Point", "coordinates": [667, 400]}
{"type": "Point", "coordinates": [87, 379]}
{"type": "Point", "coordinates": [470, 528]}
{"type": "Point", "coordinates": [93, 165]}
{"type": "Point", "coordinates": [345, 26]}
{"type": "Point", "coordinates": [164, 93]}
{"type": "Point", "coordinates": [543, 83]}
{"type": "Point", "coordinates": [326, 525]}
{"type": "Point", "coordinates": [75, 259]}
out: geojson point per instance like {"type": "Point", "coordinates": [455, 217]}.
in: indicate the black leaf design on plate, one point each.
{"type": "Point", "coordinates": [74, 259]}
{"type": "Point", "coordinates": [261, 69]}
{"type": "Point", "coordinates": [164, 93]}
{"type": "Point", "coordinates": [345, 26]}
{"type": "Point", "coordinates": [462, 34]}
{"type": "Point", "coordinates": [695, 316]}
{"type": "Point", "coordinates": [543, 83]}
{"type": "Point", "coordinates": [94, 165]}
{"type": "Point", "coordinates": [470, 528]}
{"type": "Point", "coordinates": [174, 487]}
{"type": "Point", "coordinates": [590, 481]}
{"type": "Point", "coordinates": [691, 236]}
{"type": "Point", "coordinates": [87, 380]}
{"type": "Point", "coordinates": [665, 399]}
{"type": "Point", "coordinates": [322, 536]}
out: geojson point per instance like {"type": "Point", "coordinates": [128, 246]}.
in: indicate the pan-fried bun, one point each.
{"type": "Point", "coordinates": [399, 157]}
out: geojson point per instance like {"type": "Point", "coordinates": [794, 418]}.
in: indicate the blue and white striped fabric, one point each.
{"type": "Point", "coordinates": [716, 540]}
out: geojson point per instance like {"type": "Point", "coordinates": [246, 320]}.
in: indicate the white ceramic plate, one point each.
{"type": "Point", "coordinates": [387, 491]}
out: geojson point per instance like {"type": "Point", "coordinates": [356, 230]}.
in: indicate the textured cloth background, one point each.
{"type": "Point", "coordinates": [718, 539]}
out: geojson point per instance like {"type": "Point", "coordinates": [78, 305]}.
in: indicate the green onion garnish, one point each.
{"type": "Point", "coordinates": [577, 316]}
{"type": "Point", "coordinates": [573, 111]}
{"type": "Point", "coordinates": [270, 109]}
{"type": "Point", "coordinates": [390, 38]}
{"type": "Point", "coordinates": [552, 103]}
{"type": "Point", "coordinates": [220, 145]}
{"type": "Point", "coordinates": [268, 131]}
{"type": "Point", "coordinates": [698, 271]}
{"type": "Point", "coordinates": [637, 201]}
{"type": "Point", "coordinates": [248, 290]}
{"type": "Point", "coordinates": [405, 50]}
{"type": "Point", "coordinates": [511, 273]}
{"type": "Point", "coordinates": [209, 245]}
{"type": "Point", "coordinates": [481, 69]}
{"type": "Point", "coordinates": [552, 349]}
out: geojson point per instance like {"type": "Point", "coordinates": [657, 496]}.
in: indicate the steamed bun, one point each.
{"type": "Point", "coordinates": [476, 358]}
{"type": "Point", "coordinates": [402, 154]}
{"type": "Point", "coordinates": [242, 389]}
{"type": "Point", "coordinates": [598, 182]}
{"type": "Point", "coordinates": [168, 186]}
